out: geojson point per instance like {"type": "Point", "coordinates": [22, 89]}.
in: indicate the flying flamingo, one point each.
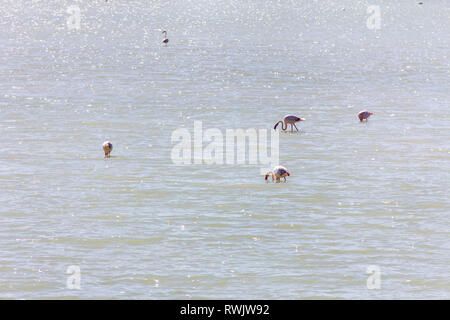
{"type": "Point", "coordinates": [278, 172]}
{"type": "Point", "coordinates": [289, 119]}
{"type": "Point", "coordinates": [107, 147]}
{"type": "Point", "coordinates": [364, 115]}
{"type": "Point", "coordinates": [165, 40]}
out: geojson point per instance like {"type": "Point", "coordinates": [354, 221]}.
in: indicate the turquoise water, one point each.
{"type": "Point", "coordinates": [139, 226]}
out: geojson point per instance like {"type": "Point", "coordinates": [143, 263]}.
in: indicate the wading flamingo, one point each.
{"type": "Point", "coordinates": [278, 172]}
{"type": "Point", "coordinates": [364, 115]}
{"type": "Point", "coordinates": [165, 40]}
{"type": "Point", "coordinates": [107, 147]}
{"type": "Point", "coordinates": [289, 119]}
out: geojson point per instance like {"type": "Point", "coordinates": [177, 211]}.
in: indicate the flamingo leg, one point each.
{"type": "Point", "coordinates": [295, 127]}
{"type": "Point", "coordinates": [292, 127]}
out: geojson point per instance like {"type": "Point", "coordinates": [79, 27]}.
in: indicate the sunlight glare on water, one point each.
{"type": "Point", "coordinates": [139, 226]}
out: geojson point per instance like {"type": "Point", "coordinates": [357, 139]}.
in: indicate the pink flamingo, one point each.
{"type": "Point", "coordinates": [289, 119]}
{"type": "Point", "coordinates": [364, 115]}
{"type": "Point", "coordinates": [278, 172]}
{"type": "Point", "coordinates": [107, 147]}
{"type": "Point", "coordinates": [165, 40]}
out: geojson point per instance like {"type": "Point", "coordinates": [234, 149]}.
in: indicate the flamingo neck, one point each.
{"type": "Point", "coordinates": [283, 125]}
{"type": "Point", "coordinates": [270, 173]}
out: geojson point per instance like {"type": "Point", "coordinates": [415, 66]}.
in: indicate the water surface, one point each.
{"type": "Point", "coordinates": [140, 227]}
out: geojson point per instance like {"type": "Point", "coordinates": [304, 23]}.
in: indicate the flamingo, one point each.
{"type": "Point", "coordinates": [165, 40]}
{"type": "Point", "coordinates": [289, 119]}
{"type": "Point", "coordinates": [364, 115]}
{"type": "Point", "coordinates": [278, 172]}
{"type": "Point", "coordinates": [107, 147]}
